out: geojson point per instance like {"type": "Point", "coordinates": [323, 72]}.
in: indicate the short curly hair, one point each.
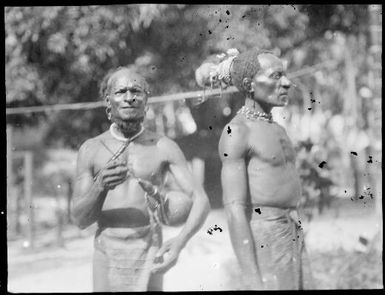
{"type": "Point", "coordinates": [246, 65]}
{"type": "Point", "coordinates": [105, 84]}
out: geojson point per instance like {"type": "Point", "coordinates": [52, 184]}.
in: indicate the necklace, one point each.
{"type": "Point", "coordinates": [122, 148]}
{"type": "Point", "coordinates": [255, 115]}
{"type": "Point", "coordinates": [121, 138]}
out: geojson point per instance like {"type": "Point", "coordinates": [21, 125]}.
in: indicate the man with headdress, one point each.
{"type": "Point", "coordinates": [261, 187]}
{"type": "Point", "coordinates": [119, 173]}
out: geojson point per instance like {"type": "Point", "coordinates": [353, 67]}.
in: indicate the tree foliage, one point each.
{"type": "Point", "coordinates": [60, 54]}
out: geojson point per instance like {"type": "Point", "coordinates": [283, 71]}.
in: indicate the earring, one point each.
{"type": "Point", "coordinates": [108, 112]}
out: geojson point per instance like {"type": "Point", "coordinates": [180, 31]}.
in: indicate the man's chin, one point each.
{"type": "Point", "coordinates": [128, 120]}
{"type": "Point", "coordinates": [281, 103]}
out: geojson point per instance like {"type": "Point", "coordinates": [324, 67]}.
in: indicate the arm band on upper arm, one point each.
{"type": "Point", "coordinates": [235, 202]}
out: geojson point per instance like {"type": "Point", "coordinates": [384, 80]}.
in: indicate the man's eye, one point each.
{"type": "Point", "coordinates": [277, 76]}
{"type": "Point", "coordinates": [137, 90]}
{"type": "Point", "coordinates": [120, 91]}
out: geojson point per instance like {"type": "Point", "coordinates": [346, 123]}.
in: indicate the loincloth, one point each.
{"type": "Point", "coordinates": [280, 249]}
{"type": "Point", "coordinates": [127, 255]}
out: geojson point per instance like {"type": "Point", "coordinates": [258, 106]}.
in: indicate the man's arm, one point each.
{"type": "Point", "coordinates": [232, 150]}
{"type": "Point", "coordinates": [200, 208]}
{"type": "Point", "coordinates": [89, 195]}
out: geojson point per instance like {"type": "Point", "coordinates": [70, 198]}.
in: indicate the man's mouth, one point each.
{"type": "Point", "coordinates": [128, 107]}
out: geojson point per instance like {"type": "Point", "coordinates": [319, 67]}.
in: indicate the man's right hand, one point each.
{"type": "Point", "coordinates": [113, 174]}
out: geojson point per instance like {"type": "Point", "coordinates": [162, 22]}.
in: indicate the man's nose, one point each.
{"type": "Point", "coordinates": [285, 82]}
{"type": "Point", "coordinates": [129, 97]}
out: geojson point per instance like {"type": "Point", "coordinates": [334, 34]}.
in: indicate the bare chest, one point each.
{"type": "Point", "coordinates": [144, 161]}
{"type": "Point", "coordinates": [270, 143]}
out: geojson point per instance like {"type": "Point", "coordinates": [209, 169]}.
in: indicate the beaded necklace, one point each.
{"type": "Point", "coordinates": [255, 115]}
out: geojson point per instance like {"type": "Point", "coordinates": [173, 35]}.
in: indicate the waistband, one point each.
{"type": "Point", "coordinates": [269, 213]}
{"type": "Point", "coordinates": [272, 209]}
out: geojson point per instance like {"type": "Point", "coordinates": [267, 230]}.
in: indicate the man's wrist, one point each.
{"type": "Point", "coordinates": [181, 241]}
{"type": "Point", "coordinates": [98, 184]}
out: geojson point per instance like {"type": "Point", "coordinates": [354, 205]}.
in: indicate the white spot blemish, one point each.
{"type": "Point", "coordinates": [226, 111]}
{"type": "Point", "coordinates": [245, 242]}
{"type": "Point", "coordinates": [26, 244]}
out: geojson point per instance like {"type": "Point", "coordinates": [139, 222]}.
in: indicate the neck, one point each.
{"type": "Point", "coordinates": [257, 106]}
{"type": "Point", "coordinates": [127, 129]}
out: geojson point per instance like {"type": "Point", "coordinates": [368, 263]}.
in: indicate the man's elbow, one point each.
{"type": "Point", "coordinates": [78, 219]}
{"type": "Point", "coordinates": [81, 223]}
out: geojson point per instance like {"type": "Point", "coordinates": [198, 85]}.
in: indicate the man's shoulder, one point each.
{"type": "Point", "coordinates": [151, 137]}
{"type": "Point", "coordinates": [170, 150]}
{"type": "Point", "coordinates": [166, 143]}
{"type": "Point", "coordinates": [93, 142]}
{"type": "Point", "coordinates": [236, 126]}
{"type": "Point", "coordinates": [235, 131]}
{"type": "Point", "coordinates": [234, 138]}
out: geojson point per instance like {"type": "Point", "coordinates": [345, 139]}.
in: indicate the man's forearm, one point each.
{"type": "Point", "coordinates": [197, 216]}
{"type": "Point", "coordinates": [242, 241]}
{"type": "Point", "coordinates": [86, 208]}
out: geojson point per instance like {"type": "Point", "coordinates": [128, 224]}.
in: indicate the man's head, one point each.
{"type": "Point", "coordinates": [260, 74]}
{"type": "Point", "coordinates": [126, 93]}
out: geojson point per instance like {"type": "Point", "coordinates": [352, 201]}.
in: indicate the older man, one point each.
{"type": "Point", "coordinates": [129, 255]}
{"type": "Point", "coordinates": [261, 187]}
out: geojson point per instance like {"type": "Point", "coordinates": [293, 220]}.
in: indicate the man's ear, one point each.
{"type": "Point", "coordinates": [107, 99]}
{"type": "Point", "coordinates": [246, 83]}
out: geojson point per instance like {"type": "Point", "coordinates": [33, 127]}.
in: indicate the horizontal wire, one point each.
{"type": "Point", "coordinates": [207, 93]}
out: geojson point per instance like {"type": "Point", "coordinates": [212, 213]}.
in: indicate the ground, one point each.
{"type": "Point", "coordinates": [207, 262]}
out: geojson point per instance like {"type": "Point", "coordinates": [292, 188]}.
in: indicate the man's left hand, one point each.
{"type": "Point", "coordinates": [167, 255]}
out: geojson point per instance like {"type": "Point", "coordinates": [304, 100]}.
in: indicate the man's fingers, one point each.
{"type": "Point", "coordinates": [115, 172]}
{"type": "Point", "coordinates": [162, 250]}
{"type": "Point", "coordinates": [116, 163]}
{"type": "Point", "coordinates": [165, 265]}
{"type": "Point", "coordinates": [112, 181]}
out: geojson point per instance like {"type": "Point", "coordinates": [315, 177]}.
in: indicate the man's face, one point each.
{"type": "Point", "coordinates": [271, 85]}
{"type": "Point", "coordinates": [128, 96]}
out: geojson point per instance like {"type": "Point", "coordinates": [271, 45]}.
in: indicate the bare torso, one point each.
{"type": "Point", "coordinates": [270, 162]}
{"type": "Point", "coordinates": [126, 202]}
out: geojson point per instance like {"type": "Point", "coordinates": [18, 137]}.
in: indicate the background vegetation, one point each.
{"type": "Point", "coordinates": [58, 55]}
